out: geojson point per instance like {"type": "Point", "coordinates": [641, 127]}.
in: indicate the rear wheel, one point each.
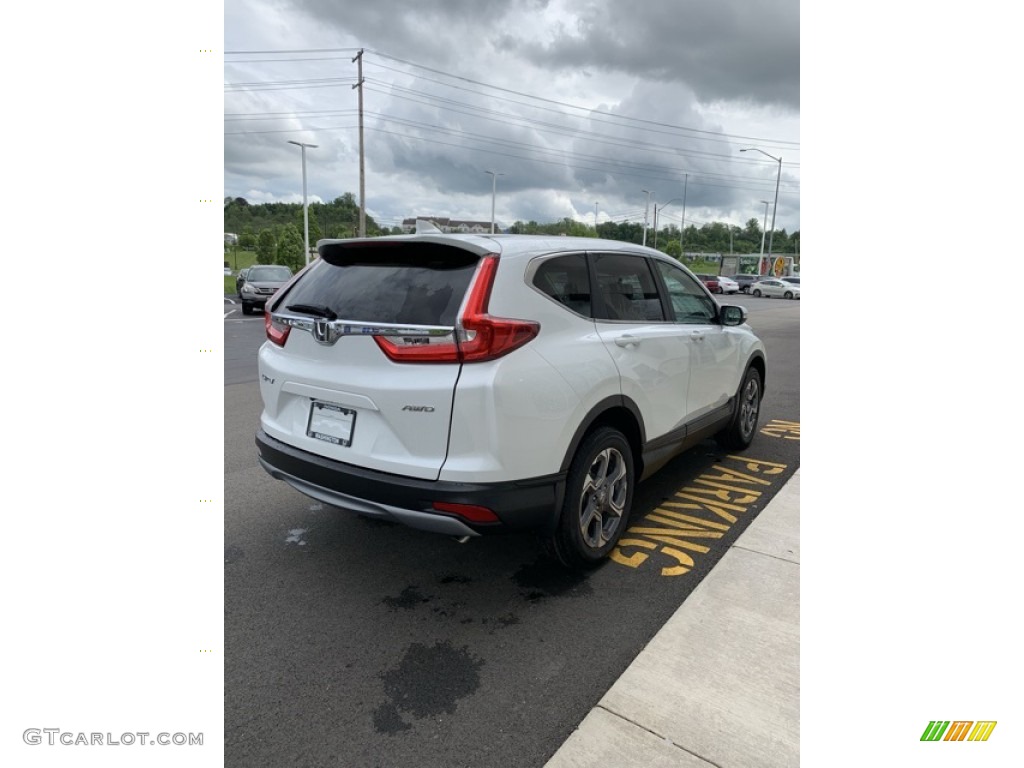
{"type": "Point", "coordinates": [740, 432]}
{"type": "Point", "coordinates": [757, 292]}
{"type": "Point", "coordinates": [598, 496]}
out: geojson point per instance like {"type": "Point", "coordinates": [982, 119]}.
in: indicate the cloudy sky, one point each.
{"type": "Point", "coordinates": [576, 106]}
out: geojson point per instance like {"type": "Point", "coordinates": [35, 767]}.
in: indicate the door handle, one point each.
{"type": "Point", "coordinates": [627, 340]}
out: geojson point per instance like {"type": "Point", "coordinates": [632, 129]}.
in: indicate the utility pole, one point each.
{"type": "Point", "coordinates": [682, 224]}
{"type": "Point", "coordinates": [647, 209]}
{"type": "Point", "coordinates": [595, 219]}
{"type": "Point", "coordinates": [362, 163]}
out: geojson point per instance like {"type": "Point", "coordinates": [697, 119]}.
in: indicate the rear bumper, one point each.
{"type": "Point", "coordinates": [519, 505]}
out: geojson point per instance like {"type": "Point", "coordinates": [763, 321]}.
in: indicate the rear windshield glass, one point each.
{"type": "Point", "coordinates": [268, 274]}
{"type": "Point", "coordinates": [407, 284]}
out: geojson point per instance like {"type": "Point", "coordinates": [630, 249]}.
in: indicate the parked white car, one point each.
{"type": "Point", "coordinates": [775, 287]}
{"type": "Point", "coordinates": [473, 384]}
{"type": "Point", "coordinates": [728, 285]}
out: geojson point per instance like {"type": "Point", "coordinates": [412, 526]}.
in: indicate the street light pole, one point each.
{"type": "Point", "coordinates": [305, 205]}
{"type": "Point", "coordinates": [673, 200]}
{"type": "Point", "coordinates": [595, 219]}
{"type": "Point", "coordinates": [494, 191]}
{"type": "Point", "coordinates": [764, 228]}
{"type": "Point", "coordinates": [778, 178]}
{"type": "Point", "coordinates": [647, 209]}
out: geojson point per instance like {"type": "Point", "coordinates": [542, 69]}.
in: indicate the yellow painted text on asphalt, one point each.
{"type": "Point", "coordinates": [787, 430]}
{"type": "Point", "coordinates": [696, 515]}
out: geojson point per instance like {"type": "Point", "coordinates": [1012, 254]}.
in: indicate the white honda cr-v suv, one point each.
{"type": "Point", "coordinates": [469, 385]}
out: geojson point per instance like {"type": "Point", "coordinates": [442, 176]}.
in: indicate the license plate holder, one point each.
{"type": "Point", "coordinates": [331, 423]}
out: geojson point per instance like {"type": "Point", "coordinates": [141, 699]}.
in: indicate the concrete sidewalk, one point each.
{"type": "Point", "coordinates": [719, 685]}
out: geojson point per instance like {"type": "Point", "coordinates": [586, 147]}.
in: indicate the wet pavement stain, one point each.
{"type": "Point", "coordinates": [429, 681]}
{"type": "Point", "coordinates": [387, 720]}
{"type": "Point", "coordinates": [545, 578]}
{"type": "Point", "coordinates": [454, 578]}
{"type": "Point", "coordinates": [408, 599]}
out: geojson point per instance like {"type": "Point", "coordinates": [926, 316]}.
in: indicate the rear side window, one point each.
{"type": "Point", "coordinates": [409, 284]}
{"type": "Point", "coordinates": [627, 287]}
{"type": "Point", "coordinates": [565, 279]}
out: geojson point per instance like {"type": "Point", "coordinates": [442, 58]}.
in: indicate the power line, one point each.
{"type": "Point", "coordinates": [591, 111]}
{"type": "Point", "coordinates": [587, 109]}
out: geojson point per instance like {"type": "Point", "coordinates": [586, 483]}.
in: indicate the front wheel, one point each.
{"type": "Point", "coordinates": [788, 295]}
{"type": "Point", "coordinates": [740, 432]}
{"type": "Point", "coordinates": [246, 308]}
{"type": "Point", "coordinates": [598, 496]}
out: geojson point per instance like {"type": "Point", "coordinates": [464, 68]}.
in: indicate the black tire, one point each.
{"type": "Point", "coordinates": [757, 292]}
{"type": "Point", "coordinates": [741, 430]}
{"type": "Point", "coordinates": [246, 308]}
{"type": "Point", "coordinates": [598, 497]}
{"type": "Point", "coordinates": [787, 295]}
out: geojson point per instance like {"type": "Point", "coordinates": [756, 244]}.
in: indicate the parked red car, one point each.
{"type": "Point", "coordinates": [710, 282]}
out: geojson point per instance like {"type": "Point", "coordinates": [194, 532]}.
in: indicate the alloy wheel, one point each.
{"type": "Point", "coordinates": [603, 498]}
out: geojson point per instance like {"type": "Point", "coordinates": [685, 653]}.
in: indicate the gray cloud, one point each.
{"type": "Point", "coordinates": [727, 72]}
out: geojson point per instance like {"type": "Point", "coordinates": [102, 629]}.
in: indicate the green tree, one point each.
{"type": "Point", "coordinates": [290, 248]}
{"type": "Point", "coordinates": [266, 246]}
{"type": "Point", "coordinates": [314, 226]}
{"type": "Point", "coordinates": [247, 241]}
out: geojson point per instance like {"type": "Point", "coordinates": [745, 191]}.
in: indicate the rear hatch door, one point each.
{"type": "Point", "coordinates": [368, 371]}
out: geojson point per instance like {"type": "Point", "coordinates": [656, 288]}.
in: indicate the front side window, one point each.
{"type": "Point", "coordinates": [689, 302]}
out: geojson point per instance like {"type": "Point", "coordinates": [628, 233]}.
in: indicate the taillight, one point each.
{"type": "Point", "coordinates": [479, 336]}
{"type": "Point", "coordinates": [406, 350]}
{"type": "Point", "coordinates": [276, 332]}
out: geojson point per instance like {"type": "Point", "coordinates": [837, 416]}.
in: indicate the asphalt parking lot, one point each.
{"type": "Point", "coordinates": [354, 642]}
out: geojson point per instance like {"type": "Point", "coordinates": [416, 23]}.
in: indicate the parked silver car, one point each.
{"type": "Point", "coordinates": [259, 284]}
{"type": "Point", "coordinates": [776, 287]}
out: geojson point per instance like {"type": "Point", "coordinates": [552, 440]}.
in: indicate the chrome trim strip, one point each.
{"type": "Point", "coordinates": [329, 331]}
{"type": "Point", "coordinates": [422, 521]}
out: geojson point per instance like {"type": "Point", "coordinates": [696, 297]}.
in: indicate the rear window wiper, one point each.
{"type": "Point", "coordinates": [313, 309]}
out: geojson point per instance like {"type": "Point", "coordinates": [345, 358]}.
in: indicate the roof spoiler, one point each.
{"type": "Point", "coordinates": [425, 227]}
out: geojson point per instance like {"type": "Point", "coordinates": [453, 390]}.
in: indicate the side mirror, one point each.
{"type": "Point", "coordinates": [732, 315]}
